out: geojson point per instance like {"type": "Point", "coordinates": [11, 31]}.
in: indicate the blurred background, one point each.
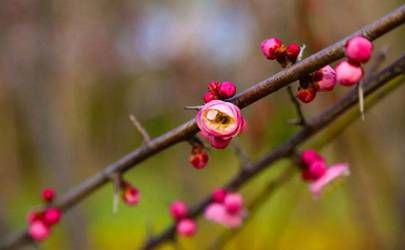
{"type": "Point", "coordinates": [72, 71]}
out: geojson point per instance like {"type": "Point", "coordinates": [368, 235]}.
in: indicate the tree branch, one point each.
{"type": "Point", "coordinates": [184, 131]}
{"type": "Point", "coordinates": [314, 126]}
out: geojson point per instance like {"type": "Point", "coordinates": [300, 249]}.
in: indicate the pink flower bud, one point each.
{"type": "Point", "coordinates": [34, 216]}
{"type": "Point", "coordinates": [292, 52]}
{"type": "Point", "coordinates": [314, 171]}
{"type": "Point", "coordinates": [186, 227]}
{"type": "Point", "coordinates": [209, 96]}
{"type": "Point", "coordinates": [359, 49]}
{"type": "Point", "coordinates": [219, 195]}
{"type": "Point", "coordinates": [331, 174]}
{"type": "Point", "coordinates": [270, 47]}
{"type": "Point", "coordinates": [38, 230]}
{"type": "Point", "coordinates": [130, 194]}
{"type": "Point", "coordinates": [178, 210]}
{"type": "Point", "coordinates": [325, 78]}
{"type": "Point", "coordinates": [227, 90]}
{"type": "Point", "coordinates": [52, 216]}
{"type": "Point", "coordinates": [217, 213]}
{"type": "Point", "coordinates": [48, 194]}
{"type": "Point", "coordinates": [310, 156]}
{"type": "Point", "coordinates": [348, 74]}
{"type": "Point", "coordinates": [213, 86]}
{"type": "Point", "coordinates": [198, 157]}
{"type": "Point", "coordinates": [306, 95]}
{"type": "Point", "coordinates": [233, 203]}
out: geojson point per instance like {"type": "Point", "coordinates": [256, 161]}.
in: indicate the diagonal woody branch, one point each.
{"type": "Point", "coordinates": [285, 150]}
{"type": "Point", "coordinates": [188, 129]}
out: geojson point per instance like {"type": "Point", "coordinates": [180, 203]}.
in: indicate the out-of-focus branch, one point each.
{"type": "Point", "coordinates": [188, 129]}
{"type": "Point", "coordinates": [314, 126]}
{"type": "Point", "coordinates": [301, 118]}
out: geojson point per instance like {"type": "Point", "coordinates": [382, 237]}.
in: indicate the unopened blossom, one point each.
{"type": "Point", "coordinates": [332, 173]}
{"type": "Point", "coordinates": [271, 47]}
{"type": "Point", "coordinates": [325, 78]}
{"type": "Point", "coordinates": [48, 194]}
{"type": "Point", "coordinates": [38, 230]}
{"type": "Point", "coordinates": [178, 210]}
{"type": "Point", "coordinates": [226, 89]}
{"type": "Point", "coordinates": [186, 227]}
{"type": "Point", "coordinates": [233, 203]}
{"type": "Point", "coordinates": [52, 216]}
{"type": "Point", "coordinates": [198, 157]}
{"type": "Point", "coordinates": [306, 95]}
{"type": "Point", "coordinates": [209, 96]}
{"type": "Point", "coordinates": [218, 195]}
{"type": "Point", "coordinates": [292, 52]}
{"type": "Point", "coordinates": [314, 171]}
{"type": "Point", "coordinates": [359, 49]}
{"type": "Point", "coordinates": [309, 156]}
{"type": "Point", "coordinates": [219, 121]}
{"type": "Point", "coordinates": [348, 73]}
{"type": "Point", "coordinates": [130, 194]}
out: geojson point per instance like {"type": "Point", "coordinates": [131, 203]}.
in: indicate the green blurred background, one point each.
{"type": "Point", "coordinates": [72, 71]}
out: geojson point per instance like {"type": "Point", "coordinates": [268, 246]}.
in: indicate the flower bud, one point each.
{"type": "Point", "coordinates": [227, 90]}
{"type": "Point", "coordinates": [48, 194]}
{"type": "Point", "coordinates": [38, 230]}
{"type": "Point", "coordinates": [34, 216]}
{"type": "Point", "coordinates": [348, 74]}
{"type": "Point", "coordinates": [130, 194]}
{"type": "Point", "coordinates": [219, 195]}
{"type": "Point", "coordinates": [292, 52]}
{"type": "Point", "coordinates": [52, 216]}
{"type": "Point", "coordinates": [314, 171]}
{"type": "Point", "coordinates": [270, 47]}
{"type": "Point", "coordinates": [233, 203]}
{"type": "Point", "coordinates": [218, 142]}
{"type": "Point", "coordinates": [178, 210]}
{"type": "Point", "coordinates": [359, 49]}
{"type": "Point", "coordinates": [306, 95]}
{"type": "Point", "coordinates": [325, 78]}
{"type": "Point", "coordinates": [213, 86]}
{"type": "Point", "coordinates": [209, 96]}
{"type": "Point", "coordinates": [186, 227]}
{"type": "Point", "coordinates": [310, 156]}
{"type": "Point", "coordinates": [198, 157]}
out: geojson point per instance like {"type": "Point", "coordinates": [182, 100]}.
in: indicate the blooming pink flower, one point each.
{"type": "Point", "coordinates": [52, 216]}
{"type": "Point", "coordinates": [218, 213]}
{"type": "Point", "coordinates": [219, 195]}
{"type": "Point", "coordinates": [48, 194]}
{"type": "Point", "coordinates": [227, 89]}
{"type": "Point", "coordinates": [348, 73]}
{"type": "Point", "coordinates": [292, 52]}
{"type": "Point", "coordinates": [233, 203]}
{"type": "Point", "coordinates": [359, 49]}
{"type": "Point", "coordinates": [219, 121]}
{"type": "Point", "coordinates": [178, 210]}
{"type": "Point", "coordinates": [331, 174]}
{"type": "Point", "coordinates": [270, 47]}
{"type": "Point", "coordinates": [38, 230]}
{"type": "Point", "coordinates": [130, 194]}
{"type": "Point", "coordinates": [325, 78]}
{"type": "Point", "coordinates": [186, 227]}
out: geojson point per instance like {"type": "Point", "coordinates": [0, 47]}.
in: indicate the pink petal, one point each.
{"type": "Point", "coordinates": [332, 173]}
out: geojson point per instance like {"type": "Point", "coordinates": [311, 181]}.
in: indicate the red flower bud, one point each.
{"type": "Point", "coordinates": [219, 195]}
{"type": "Point", "coordinates": [227, 90]}
{"type": "Point", "coordinates": [186, 227]}
{"type": "Point", "coordinates": [130, 194]}
{"type": "Point", "coordinates": [178, 210]}
{"type": "Point", "coordinates": [209, 96]}
{"type": "Point", "coordinates": [270, 47]}
{"type": "Point", "coordinates": [52, 216]}
{"type": "Point", "coordinates": [198, 157]}
{"type": "Point", "coordinates": [292, 52]}
{"type": "Point", "coordinates": [48, 194]}
{"type": "Point", "coordinates": [306, 95]}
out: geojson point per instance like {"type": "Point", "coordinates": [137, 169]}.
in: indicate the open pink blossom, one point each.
{"type": "Point", "coordinates": [331, 174]}
{"type": "Point", "coordinates": [217, 212]}
{"type": "Point", "coordinates": [220, 121]}
{"type": "Point", "coordinates": [325, 78]}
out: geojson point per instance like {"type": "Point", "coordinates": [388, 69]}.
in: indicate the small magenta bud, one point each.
{"type": "Point", "coordinates": [292, 52]}
{"type": "Point", "coordinates": [314, 171]}
{"type": "Point", "coordinates": [219, 195]}
{"type": "Point", "coordinates": [209, 96]}
{"type": "Point", "coordinates": [233, 203]}
{"type": "Point", "coordinates": [270, 47]}
{"type": "Point", "coordinates": [186, 227]}
{"type": "Point", "coordinates": [48, 194]}
{"type": "Point", "coordinates": [325, 78]}
{"type": "Point", "coordinates": [310, 156]}
{"type": "Point", "coordinates": [348, 74]}
{"type": "Point", "coordinates": [227, 89]}
{"type": "Point", "coordinates": [52, 216]}
{"type": "Point", "coordinates": [34, 216]}
{"type": "Point", "coordinates": [130, 194]}
{"type": "Point", "coordinates": [178, 210]}
{"type": "Point", "coordinates": [213, 86]}
{"type": "Point", "coordinates": [198, 157]}
{"type": "Point", "coordinates": [359, 49]}
{"type": "Point", "coordinates": [38, 230]}
{"type": "Point", "coordinates": [306, 95]}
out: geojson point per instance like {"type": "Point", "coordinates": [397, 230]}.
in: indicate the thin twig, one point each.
{"type": "Point", "coordinates": [192, 107]}
{"type": "Point", "coordinates": [279, 80]}
{"type": "Point", "coordinates": [301, 118]}
{"type": "Point", "coordinates": [242, 155]}
{"type": "Point", "coordinates": [287, 149]}
{"type": "Point", "coordinates": [140, 128]}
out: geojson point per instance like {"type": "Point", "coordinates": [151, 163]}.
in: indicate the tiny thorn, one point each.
{"type": "Point", "coordinates": [193, 107]}
{"type": "Point", "coordinates": [116, 182]}
{"type": "Point", "coordinates": [301, 54]}
{"type": "Point", "coordinates": [140, 128]}
{"type": "Point", "coordinates": [115, 202]}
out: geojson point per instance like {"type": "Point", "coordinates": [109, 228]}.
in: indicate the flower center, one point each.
{"type": "Point", "coordinates": [218, 118]}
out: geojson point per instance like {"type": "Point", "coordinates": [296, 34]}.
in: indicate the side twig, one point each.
{"type": "Point", "coordinates": [301, 118]}
{"type": "Point", "coordinates": [140, 128]}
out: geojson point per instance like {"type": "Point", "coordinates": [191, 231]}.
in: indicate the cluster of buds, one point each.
{"type": "Point", "coordinates": [219, 91]}
{"type": "Point", "coordinates": [40, 222]}
{"type": "Point", "coordinates": [199, 156]}
{"type": "Point", "coordinates": [274, 49]}
{"type": "Point", "coordinates": [316, 171]}
{"type": "Point", "coordinates": [130, 195]}
{"type": "Point", "coordinates": [219, 122]}
{"type": "Point", "coordinates": [185, 226]}
{"type": "Point", "coordinates": [358, 50]}
{"type": "Point", "coordinates": [226, 209]}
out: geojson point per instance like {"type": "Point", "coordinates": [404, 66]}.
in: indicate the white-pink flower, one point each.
{"type": "Point", "coordinates": [219, 122]}
{"type": "Point", "coordinates": [331, 174]}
